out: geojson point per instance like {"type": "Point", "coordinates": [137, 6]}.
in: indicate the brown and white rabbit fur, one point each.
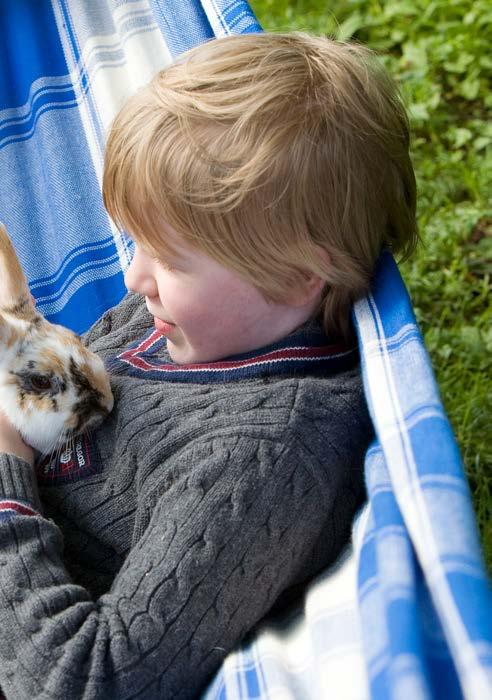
{"type": "Point", "coordinates": [52, 388]}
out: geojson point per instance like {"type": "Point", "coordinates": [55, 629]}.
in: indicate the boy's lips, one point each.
{"type": "Point", "coordinates": [163, 326]}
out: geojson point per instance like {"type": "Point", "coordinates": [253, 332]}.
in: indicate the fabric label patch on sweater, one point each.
{"type": "Point", "coordinates": [79, 460]}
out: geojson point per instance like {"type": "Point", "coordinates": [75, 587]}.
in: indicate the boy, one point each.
{"type": "Point", "coordinates": [259, 176]}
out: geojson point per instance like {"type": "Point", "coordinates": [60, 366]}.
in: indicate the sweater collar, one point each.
{"type": "Point", "coordinates": [307, 351]}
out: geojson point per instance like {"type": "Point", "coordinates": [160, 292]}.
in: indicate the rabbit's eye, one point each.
{"type": "Point", "coordinates": [40, 383]}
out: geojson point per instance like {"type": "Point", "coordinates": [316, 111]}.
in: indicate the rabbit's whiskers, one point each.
{"type": "Point", "coordinates": [62, 444]}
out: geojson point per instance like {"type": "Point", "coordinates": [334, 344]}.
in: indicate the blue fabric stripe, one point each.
{"type": "Point", "coordinates": [5, 516]}
{"type": "Point", "coordinates": [30, 25]}
{"type": "Point", "coordinates": [237, 17]}
{"type": "Point", "coordinates": [173, 17]}
{"type": "Point", "coordinates": [67, 263]}
{"type": "Point", "coordinates": [97, 259]}
{"type": "Point", "coordinates": [18, 128]}
{"type": "Point", "coordinates": [90, 302]}
{"type": "Point", "coordinates": [251, 670]}
{"type": "Point", "coordinates": [391, 297]}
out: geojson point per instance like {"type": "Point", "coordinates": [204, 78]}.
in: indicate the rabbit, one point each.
{"type": "Point", "coordinates": [52, 388]}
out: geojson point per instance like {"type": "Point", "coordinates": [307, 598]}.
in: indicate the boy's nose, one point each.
{"type": "Point", "coordinates": [138, 276]}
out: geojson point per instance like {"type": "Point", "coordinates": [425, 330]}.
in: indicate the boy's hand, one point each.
{"type": "Point", "coordinates": [12, 443]}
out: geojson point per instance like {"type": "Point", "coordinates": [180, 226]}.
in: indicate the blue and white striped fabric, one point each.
{"type": "Point", "coordinates": [406, 611]}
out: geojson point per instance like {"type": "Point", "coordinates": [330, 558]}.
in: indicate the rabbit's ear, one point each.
{"type": "Point", "coordinates": [15, 297]}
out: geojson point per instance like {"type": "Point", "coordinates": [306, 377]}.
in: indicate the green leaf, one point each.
{"type": "Point", "coordinates": [435, 98]}
{"type": "Point", "coordinates": [418, 111]}
{"type": "Point", "coordinates": [482, 142]}
{"type": "Point", "coordinates": [484, 247]}
{"type": "Point", "coordinates": [445, 351]}
{"type": "Point", "coordinates": [397, 35]}
{"type": "Point", "coordinates": [472, 339]}
{"type": "Point", "coordinates": [469, 88]}
{"type": "Point", "coordinates": [488, 339]}
{"type": "Point", "coordinates": [485, 62]}
{"type": "Point", "coordinates": [460, 136]}
{"type": "Point", "coordinates": [460, 64]}
{"type": "Point", "coordinates": [401, 9]}
{"type": "Point", "coordinates": [414, 55]}
{"type": "Point", "coordinates": [348, 28]}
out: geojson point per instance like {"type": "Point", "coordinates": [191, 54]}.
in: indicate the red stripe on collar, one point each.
{"type": "Point", "coordinates": [133, 357]}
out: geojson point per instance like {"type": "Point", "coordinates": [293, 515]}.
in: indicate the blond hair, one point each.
{"type": "Point", "coordinates": [259, 150]}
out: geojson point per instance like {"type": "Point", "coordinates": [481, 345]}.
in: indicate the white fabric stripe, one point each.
{"type": "Point", "coordinates": [68, 282]}
{"type": "Point", "coordinates": [382, 401]}
{"type": "Point", "coordinates": [391, 432]}
{"type": "Point", "coordinates": [232, 676]}
{"type": "Point", "coordinates": [214, 16]}
{"type": "Point", "coordinates": [399, 339]}
{"type": "Point", "coordinates": [95, 148]}
{"type": "Point", "coordinates": [112, 82]}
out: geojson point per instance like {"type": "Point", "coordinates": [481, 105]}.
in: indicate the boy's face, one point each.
{"type": "Point", "coordinates": [206, 312]}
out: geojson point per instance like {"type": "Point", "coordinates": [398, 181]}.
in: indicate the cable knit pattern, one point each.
{"type": "Point", "coordinates": [193, 512]}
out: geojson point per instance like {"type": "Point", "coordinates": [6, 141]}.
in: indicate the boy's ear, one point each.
{"type": "Point", "coordinates": [311, 287]}
{"type": "Point", "coordinates": [307, 292]}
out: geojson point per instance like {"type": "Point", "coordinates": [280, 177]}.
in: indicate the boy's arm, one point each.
{"type": "Point", "coordinates": [221, 544]}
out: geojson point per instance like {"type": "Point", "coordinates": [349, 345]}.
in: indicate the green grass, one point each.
{"type": "Point", "coordinates": [438, 51]}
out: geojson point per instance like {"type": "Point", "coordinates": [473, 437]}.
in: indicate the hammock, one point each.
{"type": "Point", "coordinates": [406, 610]}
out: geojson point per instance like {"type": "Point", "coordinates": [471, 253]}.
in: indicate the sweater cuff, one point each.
{"type": "Point", "coordinates": [18, 481]}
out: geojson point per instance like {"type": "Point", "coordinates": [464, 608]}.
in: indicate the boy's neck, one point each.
{"type": "Point", "coordinates": [288, 320]}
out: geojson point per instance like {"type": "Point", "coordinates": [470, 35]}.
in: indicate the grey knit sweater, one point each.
{"type": "Point", "coordinates": [135, 563]}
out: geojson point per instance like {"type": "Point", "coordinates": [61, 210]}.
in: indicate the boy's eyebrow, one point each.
{"type": "Point", "coordinates": [170, 261]}
{"type": "Point", "coordinates": [168, 257]}
{"type": "Point", "coordinates": [162, 255]}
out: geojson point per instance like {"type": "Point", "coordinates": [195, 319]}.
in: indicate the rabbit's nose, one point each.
{"type": "Point", "coordinates": [97, 417]}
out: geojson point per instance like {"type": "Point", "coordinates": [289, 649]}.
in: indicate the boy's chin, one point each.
{"type": "Point", "coordinates": [181, 354]}
{"type": "Point", "coordinates": [186, 355]}
{"type": "Point", "coordinates": [173, 352]}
